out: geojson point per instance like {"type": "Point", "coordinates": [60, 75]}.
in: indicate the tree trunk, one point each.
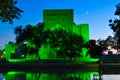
{"type": "Point", "coordinates": [38, 56]}
{"type": "Point", "coordinates": [38, 53]}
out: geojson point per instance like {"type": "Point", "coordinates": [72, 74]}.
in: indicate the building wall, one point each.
{"type": "Point", "coordinates": [45, 52]}
{"type": "Point", "coordinates": [56, 19]}
{"type": "Point", "coordinates": [9, 50]}
{"type": "Point", "coordinates": [82, 29]}
{"type": "Point", "coordinates": [64, 18]}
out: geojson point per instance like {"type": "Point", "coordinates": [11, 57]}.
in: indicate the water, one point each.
{"type": "Point", "coordinates": [60, 75]}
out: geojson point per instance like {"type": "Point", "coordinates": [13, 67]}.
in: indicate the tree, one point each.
{"type": "Point", "coordinates": [1, 52]}
{"type": "Point", "coordinates": [9, 11]}
{"type": "Point", "coordinates": [55, 39]}
{"type": "Point", "coordinates": [94, 50]}
{"type": "Point", "coordinates": [66, 43]}
{"type": "Point", "coordinates": [103, 44]}
{"type": "Point", "coordinates": [115, 25]}
{"type": "Point", "coordinates": [33, 35]}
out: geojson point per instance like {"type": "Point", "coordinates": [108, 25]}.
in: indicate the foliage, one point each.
{"type": "Point", "coordinates": [94, 50]}
{"type": "Point", "coordinates": [115, 25]}
{"type": "Point", "coordinates": [9, 11]}
{"type": "Point", "coordinates": [1, 52]}
{"type": "Point", "coordinates": [109, 41]}
{"type": "Point", "coordinates": [32, 35]}
{"type": "Point", "coordinates": [67, 44]}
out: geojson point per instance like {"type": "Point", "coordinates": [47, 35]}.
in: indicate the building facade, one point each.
{"type": "Point", "coordinates": [10, 50]}
{"type": "Point", "coordinates": [52, 19]}
{"type": "Point", "coordinates": [63, 17]}
{"type": "Point", "coordinates": [82, 29]}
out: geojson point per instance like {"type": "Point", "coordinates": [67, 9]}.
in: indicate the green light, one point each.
{"type": "Point", "coordinates": [83, 75]}
{"type": "Point", "coordinates": [82, 60]}
{"type": "Point", "coordinates": [15, 72]}
{"type": "Point", "coordinates": [55, 20]}
{"type": "Point", "coordinates": [12, 75]}
{"type": "Point", "coordinates": [18, 60]}
{"type": "Point", "coordinates": [9, 50]}
{"type": "Point", "coordinates": [62, 17]}
{"type": "Point", "coordinates": [82, 29]}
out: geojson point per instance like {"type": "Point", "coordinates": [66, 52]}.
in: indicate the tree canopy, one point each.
{"type": "Point", "coordinates": [67, 44]}
{"type": "Point", "coordinates": [115, 25]}
{"type": "Point", "coordinates": [94, 50]}
{"type": "Point", "coordinates": [9, 11]}
{"type": "Point", "coordinates": [33, 35]}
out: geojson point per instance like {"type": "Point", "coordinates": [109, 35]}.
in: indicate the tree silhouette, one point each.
{"type": "Point", "coordinates": [67, 44]}
{"type": "Point", "coordinates": [9, 11]}
{"type": "Point", "coordinates": [32, 35]}
{"type": "Point", "coordinates": [94, 50]}
{"type": "Point", "coordinates": [115, 25]}
{"type": "Point", "coordinates": [1, 52]}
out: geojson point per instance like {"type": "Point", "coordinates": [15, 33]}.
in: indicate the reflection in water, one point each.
{"type": "Point", "coordinates": [49, 76]}
{"type": "Point", "coordinates": [58, 76]}
{"type": "Point", "coordinates": [2, 77]}
{"type": "Point", "coordinates": [21, 76]}
{"type": "Point", "coordinates": [111, 77]}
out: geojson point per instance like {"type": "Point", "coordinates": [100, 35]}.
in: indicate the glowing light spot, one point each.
{"type": "Point", "coordinates": [86, 12]}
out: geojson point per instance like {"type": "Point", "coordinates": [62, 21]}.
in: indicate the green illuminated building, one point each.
{"type": "Point", "coordinates": [10, 50]}
{"type": "Point", "coordinates": [60, 17]}
{"type": "Point", "coordinates": [55, 19]}
{"type": "Point", "coordinates": [83, 75]}
{"type": "Point", "coordinates": [82, 29]}
{"type": "Point", "coordinates": [64, 18]}
{"type": "Point", "coordinates": [45, 52]}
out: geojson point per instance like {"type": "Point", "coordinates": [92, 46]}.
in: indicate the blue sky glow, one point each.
{"type": "Point", "coordinates": [94, 12]}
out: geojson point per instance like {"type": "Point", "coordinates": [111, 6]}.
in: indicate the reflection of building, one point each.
{"type": "Point", "coordinates": [15, 76]}
{"type": "Point", "coordinates": [84, 75]}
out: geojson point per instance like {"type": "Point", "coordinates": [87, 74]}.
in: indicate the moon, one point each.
{"type": "Point", "coordinates": [87, 12]}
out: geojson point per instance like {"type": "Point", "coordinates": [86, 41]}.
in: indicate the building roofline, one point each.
{"type": "Point", "coordinates": [57, 9]}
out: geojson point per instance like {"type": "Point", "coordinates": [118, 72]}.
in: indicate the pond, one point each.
{"type": "Point", "coordinates": [60, 75]}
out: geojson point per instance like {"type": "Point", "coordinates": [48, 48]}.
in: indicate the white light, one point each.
{"type": "Point", "coordinates": [22, 55]}
{"type": "Point", "coordinates": [86, 12]}
{"type": "Point", "coordinates": [4, 52]}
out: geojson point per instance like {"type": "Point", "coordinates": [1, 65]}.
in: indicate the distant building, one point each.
{"type": "Point", "coordinates": [62, 19]}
